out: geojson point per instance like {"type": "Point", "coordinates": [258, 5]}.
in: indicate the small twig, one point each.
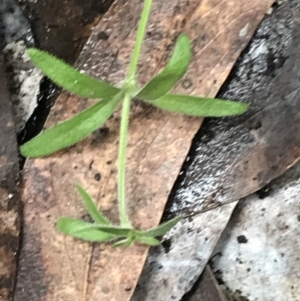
{"type": "Point", "coordinates": [218, 205]}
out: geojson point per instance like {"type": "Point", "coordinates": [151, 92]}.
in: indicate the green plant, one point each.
{"type": "Point", "coordinates": [155, 92]}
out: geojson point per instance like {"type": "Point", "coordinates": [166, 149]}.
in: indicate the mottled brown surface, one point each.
{"type": "Point", "coordinates": [9, 194]}
{"type": "Point", "coordinates": [66, 269]}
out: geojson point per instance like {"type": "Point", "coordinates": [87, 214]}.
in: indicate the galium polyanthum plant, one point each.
{"type": "Point", "coordinates": [155, 92]}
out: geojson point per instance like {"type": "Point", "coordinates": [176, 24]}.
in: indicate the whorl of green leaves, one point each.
{"type": "Point", "coordinates": [67, 133]}
{"type": "Point", "coordinates": [155, 92]}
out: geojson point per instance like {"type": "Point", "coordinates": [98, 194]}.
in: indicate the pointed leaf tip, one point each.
{"type": "Point", "coordinates": [69, 78]}
{"type": "Point", "coordinates": [96, 214]}
{"type": "Point", "coordinates": [127, 242]}
{"type": "Point", "coordinates": [82, 230]}
{"type": "Point", "coordinates": [199, 106]}
{"type": "Point", "coordinates": [148, 240]}
{"type": "Point", "coordinates": [161, 229]}
{"type": "Point", "coordinates": [173, 72]}
{"type": "Point", "coordinates": [71, 131]}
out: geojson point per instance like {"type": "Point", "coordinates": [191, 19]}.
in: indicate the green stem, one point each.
{"type": "Point", "coordinates": [140, 37]}
{"type": "Point", "coordinates": [122, 162]}
{"type": "Point", "coordinates": [125, 222]}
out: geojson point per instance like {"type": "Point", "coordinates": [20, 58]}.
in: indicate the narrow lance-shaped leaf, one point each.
{"type": "Point", "coordinates": [199, 106]}
{"type": "Point", "coordinates": [173, 72]}
{"type": "Point", "coordinates": [80, 229]}
{"type": "Point", "coordinates": [151, 241]}
{"type": "Point", "coordinates": [84, 226]}
{"type": "Point", "coordinates": [70, 132]}
{"type": "Point", "coordinates": [161, 229]}
{"type": "Point", "coordinates": [69, 78]}
{"type": "Point", "coordinates": [96, 215]}
{"type": "Point", "coordinates": [115, 230]}
{"type": "Point", "coordinates": [124, 242]}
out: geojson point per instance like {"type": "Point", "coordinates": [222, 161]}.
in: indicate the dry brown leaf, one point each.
{"type": "Point", "coordinates": [54, 267]}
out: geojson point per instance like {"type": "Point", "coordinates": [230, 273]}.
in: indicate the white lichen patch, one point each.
{"type": "Point", "coordinates": [258, 253]}
{"type": "Point", "coordinates": [23, 78]}
{"type": "Point", "coordinates": [24, 82]}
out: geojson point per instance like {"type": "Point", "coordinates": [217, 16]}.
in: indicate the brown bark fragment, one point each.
{"type": "Point", "coordinates": [9, 195]}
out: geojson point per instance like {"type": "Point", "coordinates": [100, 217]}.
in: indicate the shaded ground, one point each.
{"type": "Point", "coordinates": [62, 27]}
{"type": "Point", "coordinates": [9, 193]}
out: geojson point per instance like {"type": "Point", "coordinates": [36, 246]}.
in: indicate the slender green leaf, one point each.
{"type": "Point", "coordinates": [83, 230]}
{"type": "Point", "coordinates": [198, 106]}
{"type": "Point", "coordinates": [161, 229]}
{"type": "Point", "coordinates": [71, 131]}
{"type": "Point", "coordinates": [96, 214]}
{"type": "Point", "coordinates": [73, 224]}
{"type": "Point", "coordinates": [151, 241]}
{"type": "Point", "coordinates": [115, 230]}
{"type": "Point", "coordinates": [127, 242]}
{"type": "Point", "coordinates": [78, 225]}
{"type": "Point", "coordinates": [173, 72]}
{"type": "Point", "coordinates": [69, 78]}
